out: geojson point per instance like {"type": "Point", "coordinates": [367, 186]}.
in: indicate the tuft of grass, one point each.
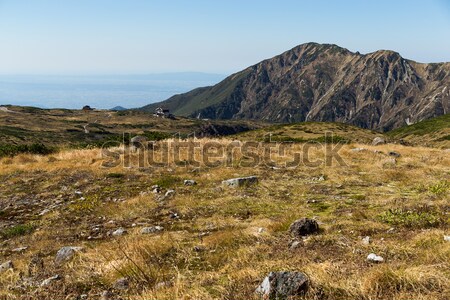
{"type": "Point", "coordinates": [17, 230]}
{"type": "Point", "coordinates": [440, 188]}
{"type": "Point", "coordinates": [411, 218]}
{"type": "Point", "coordinates": [168, 181]}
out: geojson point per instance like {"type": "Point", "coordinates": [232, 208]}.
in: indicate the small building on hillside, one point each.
{"type": "Point", "coordinates": [163, 113]}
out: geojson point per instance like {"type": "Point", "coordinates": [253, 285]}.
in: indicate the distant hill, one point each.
{"type": "Point", "coordinates": [118, 108]}
{"type": "Point", "coordinates": [323, 82]}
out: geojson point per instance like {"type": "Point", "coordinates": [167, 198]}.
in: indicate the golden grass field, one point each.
{"type": "Point", "coordinates": [219, 242]}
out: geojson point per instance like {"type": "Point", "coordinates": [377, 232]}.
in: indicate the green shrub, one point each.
{"type": "Point", "coordinates": [18, 230]}
{"type": "Point", "coordinates": [411, 218]}
{"type": "Point", "coordinates": [36, 148]}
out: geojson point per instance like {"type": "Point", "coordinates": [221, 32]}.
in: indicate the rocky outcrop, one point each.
{"type": "Point", "coordinates": [322, 82]}
{"type": "Point", "coordinates": [283, 285]}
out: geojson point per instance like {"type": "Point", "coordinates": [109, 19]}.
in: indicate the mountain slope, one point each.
{"type": "Point", "coordinates": [433, 132]}
{"type": "Point", "coordinates": [322, 82]}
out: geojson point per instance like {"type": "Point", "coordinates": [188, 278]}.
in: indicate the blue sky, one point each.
{"type": "Point", "coordinates": [124, 37]}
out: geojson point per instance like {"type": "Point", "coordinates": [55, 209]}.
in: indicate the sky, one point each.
{"type": "Point", "coordinates": [153, 36]}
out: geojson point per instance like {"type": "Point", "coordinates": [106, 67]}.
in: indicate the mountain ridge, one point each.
{"type": "Point", "coordinates": [380, 90]}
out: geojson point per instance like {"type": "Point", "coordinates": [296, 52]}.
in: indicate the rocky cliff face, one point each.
{"type": "Point", "coordinates": [315, 82]}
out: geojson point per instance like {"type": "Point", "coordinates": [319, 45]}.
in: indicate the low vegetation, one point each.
{"type": "Point", "coordinates": [218, 242]}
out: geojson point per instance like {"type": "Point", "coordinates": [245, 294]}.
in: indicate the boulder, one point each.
{"type": "Point", "coordinates": [283, 285]}
{"type": "Point", "coordinates": [447, 238]}
{"type": "Point", "coordinates": [65, 254]}
{"type": "Point", "coordinates": [119, 232]}
{"type": "Point", "coordinates": [378, 141]}
{"type": "Point", "coordinates": [366, 240]}
{"type": "Point", "coordinates": [372, 257]}
{"type": "Point", "coordinates": [50, 280]}
{"type": "Point", "coordinates": [394, 154]}
{"type": "Point", "coordinates": [241, 181]}
{"type": "Point", "coordinates": [6, 266]}
{"type": "Point", "coordinates": [190, 182]}
{"type": "Point", "coordinates": [122, 284]}
{"type": "Point", "coordinates": [152, 229]}
{"type": "Point", "coordinates": [303, 227]}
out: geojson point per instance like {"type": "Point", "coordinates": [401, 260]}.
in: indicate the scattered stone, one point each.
{"type": "Point", "coordinates": [6, 266]}
{"type": "Point", "coordinates": [152, 229]}
{"type": "Point", "coordinates": [122, 284]}
{"type": "Point", "coordinates": [190, 182]}
{"type": "Point", "coordinates": [78, 192]}
{"type": "Point", "coordinates": [378, 141]}
{"type": "Point", "coordinates": [241, 181]}
{"type": "Point", "coordinates": [44, 212]}
{"type": "Point", "coordinates": [119, 232]}
{"type": "Point", "coordinates": [50, 280]}
{"type": "Point", "coordinates": [19, 249]}
{"type": "Point", "coordinates": [303, 227]}
{"type": "Point", "coordinates": [66, 253]}
{"type": "Point", "coordinates": [372, 257]}
{"type": "Point", "coordinates": [163, 284]}
{"type": "Point", "coordinates": [394, 154]}
{"type": "Point", "coordinates": [106, 295]}
{"type": "Point", "coordinates": [358, 149]}
{"type": "Point", "coordinates": [261, 230]}
{"type": "Point", "coordinates": [296, 244]}
{"type": "Point", "coordinates": [366, 240]}
{"type": "Point", "coordinates": [169, 193]}
{"type": "Point", "coordinates": [447, 238]}
{"type": "Point", "coordinates": [199, 248]}
{"type": "Point", "coordinates": [281, 285]}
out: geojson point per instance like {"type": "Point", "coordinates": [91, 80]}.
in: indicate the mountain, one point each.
{"type": "Point", "coordinates": [118, 108]}
{"type": "Point", "coordinates": [324, 82]}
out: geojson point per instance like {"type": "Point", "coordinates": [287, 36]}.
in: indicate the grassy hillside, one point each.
{"type": "Point", "coordinates": [433, 132]}
{"type": "Point", "coordinates": [63, 127]}
{"type": "Point", "coordinates": [311, 131]}
{"type": "Point", "coordinates": [218, 242]}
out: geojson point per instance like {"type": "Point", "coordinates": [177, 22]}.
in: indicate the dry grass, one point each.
{"type": "Point", "coordinates": [224, 241]}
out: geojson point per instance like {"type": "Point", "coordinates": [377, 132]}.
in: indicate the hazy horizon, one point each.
{"type": "Point", "coordinates": [116, 38]}
{"type": "Point", "coordinates": [98, 91]}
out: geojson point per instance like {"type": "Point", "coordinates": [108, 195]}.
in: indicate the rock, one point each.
{"type": "Point", "coordinates": [378, 141]}
{"type": "Point", "coordinates": [169, 193]}
{"type": "Point", "coordinates": [241, 181]}
{"type": "Point", "coordinates": [106, 295]}
{"type": "Point", "coordinates": [65, 254]}
{"type": "Point", "coordinates": [122, 284]}
{"type": "Point", "coordinates": [296, 244]}
{"type": "Point", "coordinates": [281, 285]}
{"type": "Point", "coordinates": [447, 238]}
{"type": "Point", "coordinates": [304, 226]}
{"type": "Point", "coordinates": [366, 240]}
{"type": "Point", "coordinates": [6, 266]}
{"type": "Point", "coordinates": [358, 149]}
{"type": "Point", "coordinates": [152, 229]}
{"type": "Point", "coordinates": [190, 182]}
{"type": "Point", "coordinates": [394, 154]}
{"type": "Point", "coordinates": [44, 212]}
{"type": "Point", "coordinates": [372, 257]}
{"type": "Point", "coordinates": [119, 232]}
{"type": "Point", "coordinates": [50, 280]}
{"type": "Point", "coordinates": [19, 249]}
